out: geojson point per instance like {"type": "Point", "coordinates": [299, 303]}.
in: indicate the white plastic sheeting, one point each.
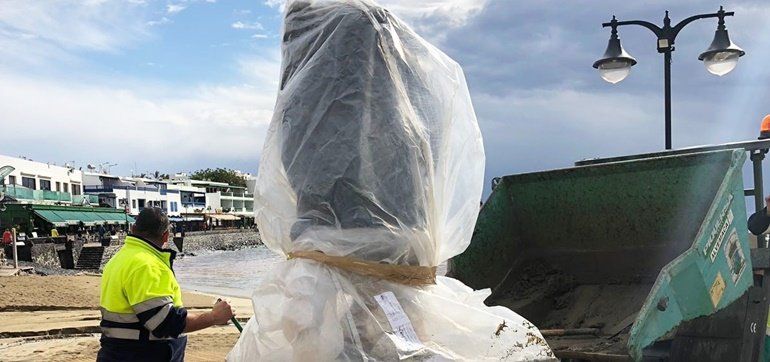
{"type": "Point", "coordinates": [373, 153]}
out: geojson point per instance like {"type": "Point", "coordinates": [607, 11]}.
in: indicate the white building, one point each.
{"type": "Point", "coordinates": [43, 183]}
{"type": "Point", "coordinates": [134, 193]}
{"type": "Point", "coordinates": [219, 197]}
{"type": "Point", "coordinates": [181, 197]}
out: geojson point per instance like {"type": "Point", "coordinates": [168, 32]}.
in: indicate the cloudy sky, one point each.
{"type": "Point", "coordinates": [181, 85]}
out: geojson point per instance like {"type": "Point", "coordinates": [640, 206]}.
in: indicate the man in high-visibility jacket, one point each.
{"type": "Point", "coordinates": [143, 318]}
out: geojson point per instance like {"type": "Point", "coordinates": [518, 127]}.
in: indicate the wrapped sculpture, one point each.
{"type": "Point", "coordinates": [371, 176]}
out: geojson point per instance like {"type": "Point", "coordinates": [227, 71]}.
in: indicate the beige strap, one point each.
{"type": "Point", "coordinates": [403, 274]}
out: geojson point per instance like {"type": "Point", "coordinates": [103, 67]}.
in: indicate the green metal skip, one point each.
{"type": "Point", "coordinates": [627, 249]}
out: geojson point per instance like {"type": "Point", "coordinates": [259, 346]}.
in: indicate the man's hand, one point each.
{"type": "Point", "coordinates": [222, 312]}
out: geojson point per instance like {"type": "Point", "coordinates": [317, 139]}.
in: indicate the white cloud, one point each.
{"type": "Point", "coordinates": [436, 13]}
{"type": "Point", "coordinates": [42, 32]}
{"type": "Point", "coordinates": [564, 125]}
{"type": "Point", "coordinates": [123, 116]}
{"type": "Point", "coordinates": [259, 36]}
{"type": "Point", "coordinates": [220, 121]}
{"type": "Point", "coordinates": [431, 18]}
{"type": "Point", "coordinates": [73, 24]}
{"type": "Point", "coordinates": [175, 8]}
{"type": "Point", "coordinates": [275, 3]}
{"type": "Point", "coordinates": [262, 72]}
{"type": "Point", "coordinates": [161, 21]}
{"type": "Point", "coordinates": [252, 26]}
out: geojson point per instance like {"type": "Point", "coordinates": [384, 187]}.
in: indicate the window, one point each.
{"type": "Point", "coordinates": [12, 180]}
{"type": "Point", "coordinates": [133, 204]}
{"type": "Point", "coordinates": [45, 185]}
{"type": "Point", "coordinates": [141, 204]}
{"type": "Point", "coordinates": [163, 205]}
{"type": "Point", "coordinates": [66, 187]}
{"type": "Point", "coordinates": [58, 186]}
{"type": "Point", "coordinates": [75, 189]}
{"type": "Point", "coordinates": [174, 206]}
{"type": "Point", "coordinates": [28, 182]}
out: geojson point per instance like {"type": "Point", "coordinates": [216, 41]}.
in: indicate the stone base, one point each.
{"type": "Point", "coordinates": [45, 255]}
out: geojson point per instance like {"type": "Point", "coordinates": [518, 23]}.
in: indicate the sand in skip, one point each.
{"type": "Point", "coordinates": [56, 318]}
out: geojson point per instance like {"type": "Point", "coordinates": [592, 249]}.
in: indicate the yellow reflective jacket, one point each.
{"type": "Point", "coordinates": [139, 292]}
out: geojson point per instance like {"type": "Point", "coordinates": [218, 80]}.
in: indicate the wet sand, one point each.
{"type": "Point", "coordinates": [56, 318]}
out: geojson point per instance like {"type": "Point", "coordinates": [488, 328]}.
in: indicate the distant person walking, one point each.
{"type": "Point", "coordinates": [7, 237]}
{"type": "Point", "coordinates": [143, 317]}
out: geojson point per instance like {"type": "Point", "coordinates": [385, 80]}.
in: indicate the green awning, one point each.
{"type": "Point", "coordinates": [113, 217]}
{"type": "Point", "coordinates": [61, 216]}
{"type": "Point", "coordinates": [116, 217]}
{"type": "Point", "coordinates": [51, 217]}
{"type": "Point", "coordinates": [106, 217]}
{"type": "Point", "coordinates": [69, 217]}
{"type": "Point", "coordinates": [89, 218]}
{"type": "Point", "coordinates": [75, 217]}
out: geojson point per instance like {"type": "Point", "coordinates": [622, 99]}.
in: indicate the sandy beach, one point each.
{"type": "Point", "coordinates": [56, 318]}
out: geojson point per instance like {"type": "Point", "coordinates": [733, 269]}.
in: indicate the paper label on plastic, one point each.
{"type": "Point", "coordinates": [403, 335]}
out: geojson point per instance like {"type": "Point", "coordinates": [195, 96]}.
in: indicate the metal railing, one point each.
{"type": "Point", "coordinates": [111, 188]}
{"type": "Point", "coordinates": [26, 194]}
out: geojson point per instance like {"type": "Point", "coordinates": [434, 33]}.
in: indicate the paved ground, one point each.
{"type": "Point", "coordinates": [56, 318]}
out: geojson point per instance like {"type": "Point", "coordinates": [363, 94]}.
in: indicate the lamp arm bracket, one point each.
{"type": "Point", "coordinates": [678, 27]}
{"type": "Point", "coordinates": [654, 28]}
{"type": "Point", "coordinates": [666, 32]}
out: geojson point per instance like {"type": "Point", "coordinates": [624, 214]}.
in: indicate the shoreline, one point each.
{"type": "Point", "coordinates": [56, 318]}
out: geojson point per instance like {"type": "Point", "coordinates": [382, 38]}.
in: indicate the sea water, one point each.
{"type": "Point", "coordinates": [234, 273]}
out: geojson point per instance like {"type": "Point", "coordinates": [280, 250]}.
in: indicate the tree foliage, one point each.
{"type": "Point", "coordinates": [219, 175]}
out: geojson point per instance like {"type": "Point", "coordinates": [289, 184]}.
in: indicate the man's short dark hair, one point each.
{"type": "Point", "coordinates": [151, 223]}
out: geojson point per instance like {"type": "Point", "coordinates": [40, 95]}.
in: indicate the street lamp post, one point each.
{"type": "Point", "coordinates": [720, 58]}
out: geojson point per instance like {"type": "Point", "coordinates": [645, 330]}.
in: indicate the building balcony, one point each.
{"type": "Point", "coordinates": [193, 204]}
{"type": "Point", "coordinates": [26, 194]}
{"type": "Point", "coordinates": [111, 188]}
{"type": "Point", "coordinates": [19, 192]}
{"type": "Point", "coordinates": [233, 196]}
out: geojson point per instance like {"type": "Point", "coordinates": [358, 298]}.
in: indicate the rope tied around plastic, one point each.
{"type": "Point", "coordinates": [412, 275]}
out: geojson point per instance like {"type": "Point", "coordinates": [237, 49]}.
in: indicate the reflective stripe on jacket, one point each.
{"type": "Point", "coordinates": [140, 297]}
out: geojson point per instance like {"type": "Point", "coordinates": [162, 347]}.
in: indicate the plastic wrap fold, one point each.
{"type": "Point", "coordinates": [373, 153]}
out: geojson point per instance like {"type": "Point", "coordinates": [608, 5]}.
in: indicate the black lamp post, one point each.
{"type": "Point", "coordinates": [720, 58]}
